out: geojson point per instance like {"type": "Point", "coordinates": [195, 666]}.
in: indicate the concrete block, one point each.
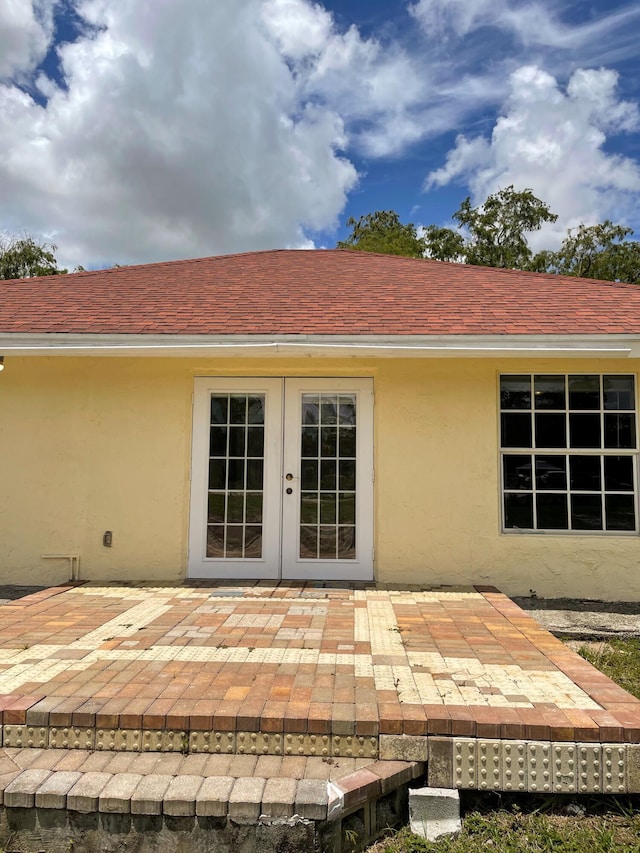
{"type": "Point", "coordinates": [633, 768]}
{"type": "Point", "coordinates": [539, 768]}
{"type": "Point", "coordinates": [404, 748]}
{"type": "Point", "coordinates": [115, 797]}
{"type": "Point", "coordinates": [52, 794]}
{"type": "Point", "coordinates": [83, 797]}
{"type": "Point", "coordinates": [149, 795]}
{"type": "Point", "coordinates": [614, 768]}
{"type": "Point", "coordinates": [180, 799]}
{"type": "Point", "coordinates": [21, 793]}
{"type": "Point", "coordinates": [440, 762]}
{"type": "Point", "coordinates": [514, 765]}
{"type": "Point", "coordinates": [245, 800]}
{"type": "Point", "coordinates": [212, 799]}
{"type": "Point", "coordinates": [465, 770]}
{"type": "Point", "coordinates": [589, 768]}
{"type": "Point", "coordinates": [278, 797]}
{"type": "Point", "coordinates": [489, 765]}
{"type": "Point", "coordinates": [434, 812]}
{"type": "Point", "coordinates": [312, 798]}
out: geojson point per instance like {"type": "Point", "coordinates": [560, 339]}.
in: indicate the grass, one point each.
{"type": "Point", "coordinates": [560, 824]}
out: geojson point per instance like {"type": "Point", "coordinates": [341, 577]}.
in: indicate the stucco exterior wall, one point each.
{"type": "Point", "coordinates": [95, 444]}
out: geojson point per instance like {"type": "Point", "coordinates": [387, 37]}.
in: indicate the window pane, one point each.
{"type": "Point", "coordinates": [253, 542]}
{"type": "Point", "coordinates": [516, 430]}
{"type": "Point", "coordinates": [347, 441]}
{"type": "Point", "coordinates": [237, 410]}
{"type": "Point", "coordinates": [515, 392]}
{"type": "Point", "coordinates": [215, 541]}
{"type": "Point", "coordinates": [217, 474]}
{"type": "Point", "coordinates": [255, 474]}
{"type": "Point", "coordinates": [309, 542]}
{"type": "Point", "coordinates": [585, 473]}
{"type": "Point", "coordinates": [235, 508]}
{"type": "Point", "coordinates": [309, 442]}
{"type": "Point", "coordinates": [517, 472]}
{"type": "Point", "coordinates": [551, 431]}
{"type": "Point", "coordinates": [549, 392]}
{"type": "Point", "coordinates": [620, 512]}
{"type": "Point", "coordinates": [584, 430]}
{"type": "Point", "coordinates": [620, 431]}
{"type": "Point", "coordinates": [235, 541]}
{"type": "Point", "coordinates": [584, 392]}
{"type": "Point", "coordinates": [254, 508]}
{"type": "Point", "coordinates": [215, 514]}
{"type": "Point", "coordinates": [309, 475]}
{"type": "Point", "coordinates": [329, 441]}
{"type": "Point", "coordinates": [618, 473]}
{"type": "Point", "coordinates": [236, 474]}
{"type": "Point", "coordinates": [218, 441]}
{"type": "Point", "coordinates": [551, 472]}
{"type": "Point", "coordinates": [328, 474]}
{"type": "Point", "coordinates": [327, 544]}
{"type": "Point", "coordinates": [348, 476]}
{"type": "Point", "coordinates": [309, 508]}
{"type": "Point", "coordinates": [310, 409]}
{"type": "Point", "coordinates": [552, 512]}
{"type": "Point", "coordinates": [347, 508]}
{"type": "Point", "coordinates": [328, 507]}
{"type": "Point", "coordinates": [347, 414]}
{"type": "Point", "coordinates": [255, 441]}
{"type": "Point", "coordinates": [518, 511]}
{"type": "Point", "coordinates": [219, 406]}
{"type": "Point", "coordinates": [586, 512]}
{"type": "Point", "coordinates": [255, 413]}
{"type": "Point", "coordinates": [236, 441]}
{"type": "Point", "coordinates": [346, 543]}
{"type": "Point", "coordinates": [619, 392]}
{"type": "Point", "coordinates": [329, 411]}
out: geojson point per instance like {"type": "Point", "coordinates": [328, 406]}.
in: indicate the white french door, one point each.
{"type": "Point", "coordinates": [282, 479]}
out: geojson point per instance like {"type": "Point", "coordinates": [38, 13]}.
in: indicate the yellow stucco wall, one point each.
{"type": "Point", "coordinates": [95, 444]}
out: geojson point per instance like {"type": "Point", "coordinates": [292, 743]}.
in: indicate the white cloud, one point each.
{"type": "Point", "coordinates": [553, 141]}
{"type": "Point", "coordinates": [26, 31]}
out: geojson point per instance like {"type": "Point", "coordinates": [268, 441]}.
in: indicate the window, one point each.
{"type": "Point", "coordinates": [568, 452]}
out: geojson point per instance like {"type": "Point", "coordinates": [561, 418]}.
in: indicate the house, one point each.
{"type": "Point", "coordinates": [321, 415]}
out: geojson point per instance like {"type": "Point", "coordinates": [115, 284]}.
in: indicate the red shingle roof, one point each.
{"type": "Point", "coordinates": [325, 292]}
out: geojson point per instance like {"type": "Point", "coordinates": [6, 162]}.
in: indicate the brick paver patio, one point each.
{"type": "Point", "coordinates": [309, 669]}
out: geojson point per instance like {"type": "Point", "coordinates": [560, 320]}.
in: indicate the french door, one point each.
{"type": "Point", "coordinates": [282, 479]}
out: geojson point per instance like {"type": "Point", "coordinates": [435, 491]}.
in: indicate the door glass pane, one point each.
{"type": "Point", "coordinates": [236, 474]}
{"type": "Point", "coordinates": [328, 476]}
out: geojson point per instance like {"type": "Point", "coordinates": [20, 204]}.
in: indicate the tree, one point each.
{"type": "Point", "coordinates": [496, 230]}
{"type": "Point", "coordinates": [383, 232]}
{"type": "Point", "coordinates": [23, 257]}
{"type": "Point", "coordinates": [595, 251]}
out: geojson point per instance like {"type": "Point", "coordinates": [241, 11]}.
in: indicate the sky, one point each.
{"type": "Point", "coordinates": [149, 130]}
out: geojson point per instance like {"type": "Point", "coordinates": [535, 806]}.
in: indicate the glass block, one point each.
{"type": "Point", "coordinates": [517, 472]}
{"type": "Point", "coordinates": [552, 512]}
{"type": "Point", "coordinates": [235, 508]}
{"type": "Point", "coordinates": [327, 542]}
{"type": "Point", "coordinates": [551, 473]}
{"type": "Point", "coordinates": [516, 430]}
{"type": "Point", "coordinates": [309, 508]}
{"type": "Point", "coordinates": [253, 542]}
{"type": "Point", "coordinates": [620, 431]}
{"type": "Point", "coordinates": [346, 543]}
{"type": "Point", "coordinates": [549, 392]}
{"type": "Point", "coordinates": [255, 410]}
{"type": "Point", "coordinates": [237, 439]}
{"type": "Point", "coordinates": [237, 409]}
{"type": "Point", "coordinates": [255, 474]}
{"type": "Point", "coordinates": [235, 542]}
{"type": "Point", "coordinates": [518, 511]}
{"type": "Point", "coordinates": [216, 505]}
{"type": "Point", "coordinates": [584, 430]}
{"type": "Point", "coordinates": [328, 410]}
{"type": "Point", "coordinates": [346, 508]}
{"type": "Point", "coordinates": [619, 392]}
{"type": "Point", "coordinates": [584, 392]}
{"type": "Point", "coordinates": [328, 442]}
{"type": "Point", "coordinates": [236, 474]}
{"type": "Point", "coordinates": [586, 512]}
{"type": "Point", "coordinates": [309, 543]}
{"type": "Point", "coordinates": [255, 442]}
{"type": "Point", "coordinates": [217, 474]}
{"type": "Point", "coordinates": [620, 512]}
{"type": "Point", "coordinates": [347, 411]}
{"type": "Point", "coordinates": [218, 441]}
{"type": "Point", "coordinates": [584, 473]}
{"type": "Point", "coordinates": [219, 409]}
{"type": "Point", "coordinates": [347, 442]}
{"type": "Point", "coordinates": [328, 508]}
{"type": "Point", "coordinates": [515, 392]}
{"type": "Point", "coordinates": [215, 541]}
{"type": "Point", "coordinates": [309, 475]}
{"type": "Point", "coordinates": [618, 473]}
{"type": "Point", "coordinates": [309, 442]}
{"type": "Point", "coordinates": [253, 508]}
{"type": "Point", "coordinates": [551, 430]}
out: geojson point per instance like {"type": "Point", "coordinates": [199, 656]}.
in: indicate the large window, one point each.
{"type": "Point", "coordinates": [568, 448]}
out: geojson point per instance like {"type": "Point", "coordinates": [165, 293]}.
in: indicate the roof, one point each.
{"type": "Point", "coordinates": [322, 292]}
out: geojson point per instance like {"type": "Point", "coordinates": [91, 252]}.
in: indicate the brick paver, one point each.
{"type": "Point", "coordinates": [309, 669]}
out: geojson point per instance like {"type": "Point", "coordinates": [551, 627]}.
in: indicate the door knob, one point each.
{"type": "Point", "coordinates": [289, 477]}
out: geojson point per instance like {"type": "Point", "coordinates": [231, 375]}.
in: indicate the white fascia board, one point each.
{"type": "Point", "coordinates": [360, 346]}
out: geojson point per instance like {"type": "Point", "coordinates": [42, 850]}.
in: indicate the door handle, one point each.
{"type": "Point", "coordinates": [289, 477]}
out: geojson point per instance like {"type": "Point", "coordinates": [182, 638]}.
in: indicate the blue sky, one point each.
{"type": "Point", "coordinates": [146, 130]}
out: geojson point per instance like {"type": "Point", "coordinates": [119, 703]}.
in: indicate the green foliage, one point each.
{"type": "Point", "coordinates": [383, 232]}
{"type": "Point", "coordinates": [595, 251]}
{"type": "Point", "coordinates": [619, 659]}
{"type": "Point", "coordinates": [444, 244]}
{"type": "Point", "coordinates": [22, 257]}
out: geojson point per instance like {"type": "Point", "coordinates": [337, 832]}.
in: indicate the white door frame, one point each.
{"type": "Point", "coordinates": [281, 511]}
